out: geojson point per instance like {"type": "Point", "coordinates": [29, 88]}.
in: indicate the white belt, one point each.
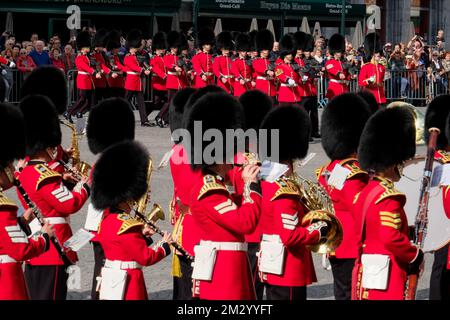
{"type": "Point", "coordinates": [228, 77]}
{"type": "Point", "coordinates": [135, 73]}
{"type": "Point", "coordinates": [226, 246]}
{"type": "Point", "coordinates": [85, 73]}
{"type": "Point", "coordinates": [271, 238]}
{"type": "Point", "coordinates": [208, 74]}
{"type": "Point", "coordinates": [338, 81]}
{"type": "Point", "coordinates": [6, 259]}
{"type": "Point", "coordinates": [172, 73]}
{"type": "Point", "coordinates": [261, 78]}
{"type": "Point", "coordinates": [56, 220]}
{"type": "Point", "coordinates": [287, 85]}
{"type": "Point", "coordinates": [122, 265]}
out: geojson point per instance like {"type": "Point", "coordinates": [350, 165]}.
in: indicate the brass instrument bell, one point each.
{"type": "Point", "coordinates": [157, 213]}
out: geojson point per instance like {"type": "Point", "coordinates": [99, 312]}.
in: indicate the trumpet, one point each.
{"type": "Point", "coordinates": [82, 167]}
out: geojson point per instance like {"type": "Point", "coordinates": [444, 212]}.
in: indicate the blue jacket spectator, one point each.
{"type": "Point", "coordinates": [39, 56]}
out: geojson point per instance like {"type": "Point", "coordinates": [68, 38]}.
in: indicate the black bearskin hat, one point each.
{"type": "Point", "coordinates": [224, 41]}
{"type": "Point", "coordinates": [389, 138]}
{"type": "Point", "coordinates": [294, 130]}
{"type": "Point", "coordinates": [159, 41]}
{"type": "Point", "coordinates": [48, 81]}
{"type": "Point", "coordinates": [300, 39]}
{"type": "Point", "coordinates": [116, 181]}
{"type": "Point", "coordinates": [110, 122]}
{"type": "Point", "coordinates": [343, 121]}
{"type": "Point", "coordinates": [256, 105]}
{"type": "Point", "coordinates": [242, 42]}
{"type": "Point", "coordinates": [336, 44]}
{"type": "Point", "coordinates": [370, 99]}
{"type": "Point", "coordinates": [287, 45]}
{"type": "Point", "coordinates": [100, 38]}
{"type": "Point", "coordinates": [13, 142]}
{"type": "Point", "coordinates": [205, 36]}
{"type": "Point", "coordinates": [177, 106]}
{"type": "Point", "coordinates": [436, 115]}
{"type": "Point", "coordinates": [83, 40]}
{"type": "Point", "coordinates": [113, 40]}
{"type": "Point", "coordinates": [41, 123]}
{"type": "Point", "coordinates": [309, 43]}
{"type": "Point", "coordinates": [252, 35]}
{"type": "Point", "coordinates": [264, 40]}
{"type": "Point", "coordinates": [372, 44]}
{"type": "Point", "coordinates": [134, 39]}
{"type": "Point", "coordinates": [212, 88]}
{"type": "Point", "coordinates": [173, 39]}
{"type": "Point", "coordinates": [218, 111]}
{"type": "Point", "coordinates": [184, 44]}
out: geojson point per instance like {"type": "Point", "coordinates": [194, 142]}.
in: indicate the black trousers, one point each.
{"type": "Point", "coordinates": [117, 92]}
{"type": "Point", "coordinates": [46, 282]}
{"type": "Point", "coordinates": [440, 276]}
{"type": "Point", "coordinates": [99, 262]}
{"type": "Point", "coordinates": [310, 104]}
{"type": "Point", "coordinates": [285, 293]}
{"type": "Point", "coordinates": [251, 253]}
{"type": "Point", "coordinates": [161, 102]}
{"type": "Point", "coordinates": [342, 274]}
{"type": "Point", "coordinates": [140, 102]}
{"type": "Point", "coordinates": [182, 287]}
{"type": "Point", "coordinates": [83, 104]}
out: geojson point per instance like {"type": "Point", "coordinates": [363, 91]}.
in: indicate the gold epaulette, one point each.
{"type": "Point", "coordinates": [389, 191]}
{"type": "Point", "coordinates": [210, 184]}
{"type": "Point", "coordinates": [278, 72]}
{"type": "Point", "coordinates": [128, 222]}
{"type": "Point", "coordinates": [286, 187]}
{"type": "Point", "coordinates": [6, 202]}
{"type": "Point", "coordinates": [445, 156]}
{"type": "Point", "coordinates": [354, 169]}
{"type": "Point", "coordinates": [44, 174]}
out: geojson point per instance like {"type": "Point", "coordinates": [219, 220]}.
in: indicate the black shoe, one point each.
{"type": "Point", "coordinates": [311, 139]}
{"type": "Point", "coordinates": [68, 117]}
{"type": "Point", "coordinates": [147, 124]}
{"type": "Point", "coordinates": [316, 135]}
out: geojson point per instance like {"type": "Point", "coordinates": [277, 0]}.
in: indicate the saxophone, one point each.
{"type": "Point", "coordinates": [320, 208]}
{"type": "Point", "coordinates": [82, 167]}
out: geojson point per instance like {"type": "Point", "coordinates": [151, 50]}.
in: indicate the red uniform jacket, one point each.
{"type": "Point", "coordinates": [159, 73]}
{"type": "Point", "coordinates": [376, 72]}
{"type": "Point", "coordinates": [175, 81]}
{"type": "Point", "coordinates": [343, 203]}
{"type": "Point", "coordinates": [186, 231]}
{"type": "Point", "coordinates": [203, 65]}
{"type": "Point", "coordinates": [121, 238]}
{"type": "Point", "coordinates": [336, 86]}
{"type": "Point", "coordinates": [241, 71]}
{"type": "Point", "coordinates": [310, 86]}
{"type": "Point", "coordinates": [15, 244]}
{"type": "Point", "coordinates": [117, 66]}
{"type": "Point", "coordinates": [134, 71]}
{"type": "Point", "coordinates": [286, 93]}
{"type": "Point", "coordinates": [100, 60]}
{"type": "Point", "coordinates": [222, 70]}
{"type": "Point", "coordinates": [221, 220]}
{"type": "Point", "coordinates": [444, 158]}
{"type": "Point", "coordinates": [46, 189]}
{"type": "Point", "coordinates": [263, 82]}
{"type": "Point", "coordinates": [85, 72]}
{"type": "Point", "coordinates": [282, 213]}
{"type": "Point", "coordinates": [386, 233]}
{"type": "Point", "coordinates": [301, 83]}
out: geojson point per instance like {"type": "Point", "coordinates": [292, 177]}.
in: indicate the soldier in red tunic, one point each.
{"type": "Point", "coordinates": [202, 62]}
{"type": "Point", "coordinates": [338, 76]}
{"type": "Point", "coordinates": [159, 77]}
{"type": "Point", "coordinates": [287, 73]}
{"type": "Point", "coordinates": [123, 237]}
{"type": "Point", "coordinates": [113, 113]}
{"type": "Point", "coordinates": [113, 62]}
{"type": "Point", "coordinates": [342, 123]}
{"type": "Point", "coordinates": [101, 89]}
{"type": "Point", "coordinates": [439, 110]}
{"type": "Point", "coordinates": [7, 62]}
{"type": "Point", "coordinates": [85, 74]}
{"type": "Point", "coordinates": [386, 256]}
{"type": "Point", "coordinates": [222, 64]}
{"type": "Point", "coordinates": [176, 78]}
{"type": "Point", "coordinates": [371, 76]}
{"type": "Point", "coordinates": [135, 71]}
{"type": "Point", "coordinates": [241, 66]}
{"type": "Point", "coordinates": [46, 275]}
{"type": "Point", "coordinates": [15, 246]}
{"type": "Point", "coordinates": [283, 235]}
{"type": "Point", "coordinates": [222, 222]}
{"type": "Point", "coordinates": [263, 67]}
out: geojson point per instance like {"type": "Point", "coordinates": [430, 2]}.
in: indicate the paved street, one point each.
{"type": "Point", "coordinates": [158, 277]}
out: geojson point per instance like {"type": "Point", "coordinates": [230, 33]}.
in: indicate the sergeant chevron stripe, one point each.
{"type": "Point", "coordinates": [16, 234]}
{"type": "Point", "coordinates": [289, 221]}
{"type": "Point", "coordinates": [62, 194]}
{"type": "Point", "coordinates": [225, 207]}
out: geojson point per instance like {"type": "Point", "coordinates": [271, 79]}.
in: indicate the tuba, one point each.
{"type": "Point", "coordinates": [419, 119]}
{"type": "Point", "coordinates": [320, 208]}
{"type": "Point", "coordinates": [82, 167]}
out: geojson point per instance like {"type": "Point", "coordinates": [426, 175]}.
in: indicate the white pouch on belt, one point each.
{"type": "Point", "coordinates": [375, 271]}
{"type": "Point", "coordinates": [205, 259]}
{"type": "Point", "coordinates": [271, 255]}
{"type": "Point", "coordinates": [113, 283]}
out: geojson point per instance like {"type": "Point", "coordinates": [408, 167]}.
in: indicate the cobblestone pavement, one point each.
{"type": "Point", "coordinates": [158, 277]}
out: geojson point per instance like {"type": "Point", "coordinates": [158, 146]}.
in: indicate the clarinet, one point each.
{"type": "Point", "coordinates": [421, 222]}
{"type": "Point", "coordinates": [38, 214]}
{"type": "Point", "coordinates": [159, 231]}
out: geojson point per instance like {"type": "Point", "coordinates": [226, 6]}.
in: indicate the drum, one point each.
{"type": "Point", "coordinates": [438, 233]}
